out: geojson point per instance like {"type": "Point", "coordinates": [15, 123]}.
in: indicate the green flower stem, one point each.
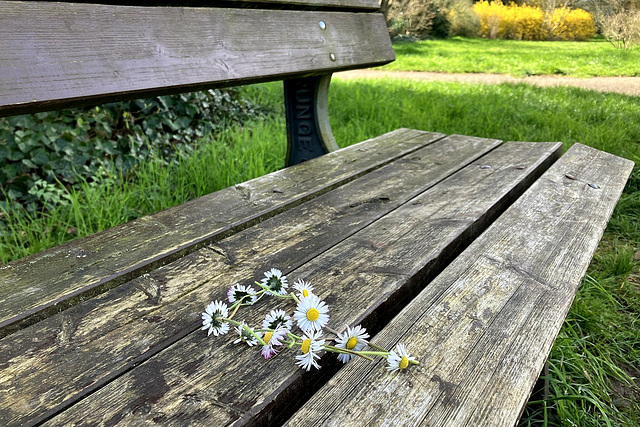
{"type": "Point", "coordinates": [294, 336]}
{"type": "Point", "coordinates": [344, 350]}
{"type": "Point", "coordinates": [414, 362]}
{"type": "Point", "coordinates": [295, 298]}
{"type": "Point", "coordinates": [269, 291]}
{"type": "Point", "coordinates": [377, 347]}
{"type": "Point", "coordinates": [236, 305]}
{"type": "Point", "coordinates": [375, 353]}
{"type": "Point", "coordinates": [235, 310]}
{"type": "Point", "coordinates": [246, 328]}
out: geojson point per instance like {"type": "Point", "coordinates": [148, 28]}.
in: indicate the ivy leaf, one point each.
{"type": "Point", "coordinates": [40, 157]}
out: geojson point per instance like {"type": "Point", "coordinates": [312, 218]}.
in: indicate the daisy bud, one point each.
{"type": "Point", "coordinates": [213, 318]}
{"type": "Point", "coordinates": [241, 292]}
{"type": "Point", "coordinates": [275, 281]}
{"type": "Point", "coordinates": [276, 318]}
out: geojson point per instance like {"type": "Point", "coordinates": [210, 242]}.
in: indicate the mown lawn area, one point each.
{"type": "Point", "coordinates": [597, 354]}
{"type": "Point", "coordinates": [516, 57]}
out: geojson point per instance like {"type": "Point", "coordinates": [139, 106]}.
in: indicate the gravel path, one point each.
{"type": "Point", "coordinates": [624, 85]}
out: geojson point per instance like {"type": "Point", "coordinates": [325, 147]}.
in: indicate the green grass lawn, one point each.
{"type": "Point", "coordinates": [598, 350]}
{"type": "Point", "coordinates": [519, 58]}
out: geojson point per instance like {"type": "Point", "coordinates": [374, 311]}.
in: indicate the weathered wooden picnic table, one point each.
{"type": "Point", "coordinates": [468, 250]}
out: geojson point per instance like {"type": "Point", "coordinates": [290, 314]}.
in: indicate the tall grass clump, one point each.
{"type": "Point", "coordinates": [39, 151]}
{"type": "Point", "coordinates": [96, 204]}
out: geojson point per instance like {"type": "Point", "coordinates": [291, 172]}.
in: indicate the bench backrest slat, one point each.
{"type": "Point", "coordinates": [356, 4]}
{"type": "Point", "coordinates": [56, 55]}
{"type": "Point", "coordinates": [369, 5]}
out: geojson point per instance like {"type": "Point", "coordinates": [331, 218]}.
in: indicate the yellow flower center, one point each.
{"type": "Point", "coordinates": [352, 343]}
{"type": "Point", "coordinates": [313, 314]}
{"type": "Point", "coordinates": [267, 337]}
{"type": "Point", "coordinates": [404, 362]}
{"type": "Point", "coordinates": [306, 344]}
{"type": "Point", "coordinates": [305, 293]}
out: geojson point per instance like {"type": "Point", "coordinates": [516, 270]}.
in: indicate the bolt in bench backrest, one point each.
{"type": "Point", "coordinates": [58, 55]}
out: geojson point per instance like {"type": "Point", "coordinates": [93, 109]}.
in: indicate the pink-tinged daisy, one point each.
{"type": "Point", "coordinates": [213, 318]}
{"type": "Point", "coordinates": [311, 314]}
{"type": "Point", "coordinates": [275, 281]}
{"type": "Point", "coordinates": [352, 339]}
{"type": "Point", "coordinates": [399, 359]}
{"type": "Point", "coordinates": [304, 288]}
{"type": "Point", "coordinates": [237, 292]}
{"type": "Point", "coordinates": [311, 345]}
{"type": "Point", "coordinates": [272, 339]}
{"type": "Point", "coordinates": [246, 337]}
{"type": "Point", "coordinates": [276, 318]}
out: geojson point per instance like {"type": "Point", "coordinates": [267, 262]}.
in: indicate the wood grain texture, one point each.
{"type": "Point", "coordinates": [56, 55]}
{"type": "Point", "coordinates": [365, 5]}
{"type": "Point", "coordinates": [29, 291]}
{"type": "Point", "coordinates": [484, 327]}
{"type": "Point", "coordinates": [355, 4]}
{"type": "Point", "coordinates": [96, 340]}
{"type": "Point", "coordinates": [364, 278]}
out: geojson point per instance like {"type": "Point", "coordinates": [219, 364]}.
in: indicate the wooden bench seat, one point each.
{"type": "Point", "coordinates": [368, 245]}
{"type": "Point", "coordinates": [91, 265]}
{"type": "Point", "coordinates": [484, 326]}
{"type": "Point", "coordinates": [391, 232]}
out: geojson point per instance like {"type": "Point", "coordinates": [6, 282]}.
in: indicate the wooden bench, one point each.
{"type": "Point", "coordinates": [469, 250]}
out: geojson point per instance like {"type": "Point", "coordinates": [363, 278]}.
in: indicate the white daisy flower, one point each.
{"type": "Point", "coordinates": [399, 359]}
{"type": "Point", "coordinates": [212, 318]}
{"type": "Point", "coordinates": [276, 318]}
{"type": "Point", "coordinates": [311, 345]}
{"type": "Point", "coordinates": [304, 288]}
{"type": "Point", "coordinates": [352, 339]}
{"type": "Point", "coordinates": [237, 292]}
{"type": "Point", "coordinates": [275, 281]}
{"type": "Point", "coordinates": [273, 338]}
{"type": "Point", "coordinates": [311, 314]}
{"type": "Point", "coordinates": [246, 337]}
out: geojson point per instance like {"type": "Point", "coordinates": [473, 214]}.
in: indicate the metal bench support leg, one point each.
{"type": "Point", "coordinates": [307, 108]}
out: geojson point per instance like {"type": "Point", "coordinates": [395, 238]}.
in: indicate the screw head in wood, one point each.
{"type": "Point", "coordinates": [332, 57]}
{"type": "Point", "coordinates": [322, 25]}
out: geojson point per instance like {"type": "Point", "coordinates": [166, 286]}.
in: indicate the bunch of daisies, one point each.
{"type": "Point", "coordinates": [311, 317]}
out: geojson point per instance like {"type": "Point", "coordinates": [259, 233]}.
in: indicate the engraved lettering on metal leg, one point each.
{"type": "Point", "coordinates": [308, 130]}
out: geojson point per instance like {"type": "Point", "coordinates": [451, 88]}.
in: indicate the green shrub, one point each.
{"type": "Point", "coordinates": [463, 20]}
{"type": "Point", "coordinates": [62, 147]}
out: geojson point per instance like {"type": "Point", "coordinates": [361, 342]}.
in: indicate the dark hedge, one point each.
{"type": "Point", "coordinates": [38, 150]}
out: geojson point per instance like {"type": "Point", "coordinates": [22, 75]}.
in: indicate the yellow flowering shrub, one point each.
{"type": "Point", "coordinates": [525, 22]}
{"type": "Point", "coordinates": [573, 24]}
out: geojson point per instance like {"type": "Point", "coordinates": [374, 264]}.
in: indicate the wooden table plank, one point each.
{"type": "Point", "coordinates": [197, 380]}
{"type": "Point", "coordinates": [86, 345]}
{"type": "Point", "coordinates": [29, 292]}
{"type": "Point", "coordinates": [57, 55]}
{"type": "Point", "coordinates": [484, 327]}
